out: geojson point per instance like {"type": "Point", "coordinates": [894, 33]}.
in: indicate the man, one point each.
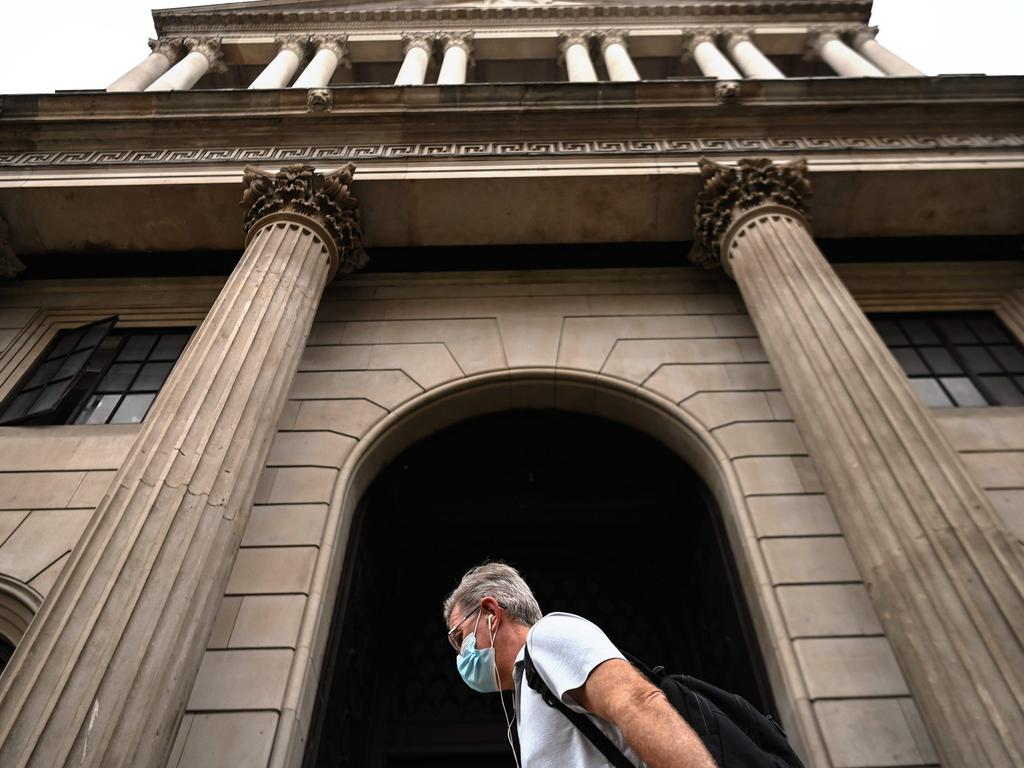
{"type": "Point", "coordinates": [492, 615]}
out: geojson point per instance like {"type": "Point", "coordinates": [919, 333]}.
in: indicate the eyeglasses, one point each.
{"type": "Point", "coordinates": [455, 640]}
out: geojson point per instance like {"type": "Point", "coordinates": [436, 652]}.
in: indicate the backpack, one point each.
{"type": "Point", "coordinates": [735, 733]}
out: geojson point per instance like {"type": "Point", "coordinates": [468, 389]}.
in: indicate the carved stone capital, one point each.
{"type": "Point", "coordinates": [298, 192]}
{"type": "Point", "coordinates": [573, 37]}
{"type": "Point", "coordinates": [733, 37]}
{"type": "Point", "coordinates": [424, 40]}
{"type": "Point", "coordinates": [730, 191]}
{"type": "Point", "coordinates": [172, 48]}
{"type": "Point", "coordinates": [10, 264]}
{"type": "Point", "coordinates": [210, 48]}
{"type": "Point", "coordinates": [860, 36]}
{"type": "Point", "coordinates": [336, 44]}
{"type": "Point", "coordinates": [694, 37]}
{"type": "Point", "coordinates": [463, 40]}
{"type": "Point", "coordinates": [297, 44]}
{"type": "Point", "coordinates": [612, 37]}
{"type": "Point", "coordinates": [818, 37]}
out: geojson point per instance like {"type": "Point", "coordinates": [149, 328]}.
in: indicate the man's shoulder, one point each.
{"type": "Point", "coordinates": [561, 627]}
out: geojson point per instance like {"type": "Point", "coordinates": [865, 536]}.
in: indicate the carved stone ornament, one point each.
{"type": "Point", "coordinates": [424, 40]}
{"type": "Point", "coordinates": [694, 37]}
{"type": "Point", "coordinates": [297, 44]}
{"type": "Point", "coordinates": [319, 100]}
{"type": "Point", "coordinates": [10, 264]}
{"type": "Point", "coordinates": [861, 35]}
{"type": "Point", "coordinates": [573, 37]}
{"type": "Point", "coordinates": [210, 48]}
{"type": "Point", "coordinates": [733, 37]}
{"type": "Point", "coordinates": [336, 44]}
{"type": "Point", "coordinates": [817, 37]}
{"type": "Point", "coordinates": [729, 191]}
{"type": "Point", "coordinates": [612, 37]}
{"type": "Point", "coordinates": [463, 40]}
{"type": "Point", "coordinates": [172, 48]}
{"type": "Point", "coordinates": [727, 91]}
{"type": "Point", "coordinates": [297, 191]}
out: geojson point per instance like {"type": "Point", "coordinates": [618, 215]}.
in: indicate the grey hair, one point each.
{"type": "Point", "coordinates": [504, 584]}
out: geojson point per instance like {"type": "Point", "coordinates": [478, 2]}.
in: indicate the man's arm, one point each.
{"type": "Point", "coordinates": [616, 692]}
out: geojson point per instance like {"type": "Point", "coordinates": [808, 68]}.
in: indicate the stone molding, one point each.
{"type": "Point", "coordinates": [19, 604]}
{"type": "Point", "coordinates": [171, 48]}
{"type": "Point", "coordinates": [424, 40]}
{"type": "Point", "coordinates": [210, 48]}
{"type": "Point", "coordinates": [298, 192]}
{"type": "Point", "coordinates": [728, 192]}
{"type": "Point", "coordinates": [10, 264]}
{"type": "Point", "coordinates": [689, 147]}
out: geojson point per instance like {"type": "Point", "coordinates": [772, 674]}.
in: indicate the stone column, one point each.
{"type": "Point", "coordinates": [416, 48]}
{"type": "Point", "coordinates": [841, 57]}
{"type": "Point", "coordinates": [700, 44]}
{"type": "Point", "coordinates": [864, 42]}
{"type": "Point", "coordinates": [204, 54]}
{"type": "Point", "coordinates": [942, 570]}
{"type": "Point", "coordinates": [165, 53]}
{"type": "Point", "coordinates": [749, 59]}
{"type": "Point", "coordinates": [101, 678]}
{"type": "Point", "coordinates": [331, 50]}
{"type": "Point", "coordinates": [291, 51]}
{"type": "Point", "coordinates": [616, 57]}
{"type": "Point", "coordinates": [574, 51]}
{"type": "Point", "coordinates": [458, 49]}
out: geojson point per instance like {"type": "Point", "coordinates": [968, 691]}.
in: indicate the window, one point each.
{"type": "Point", "coordinates": [956, 358]}
{"type": "Point", "coordinates": [96, 374]}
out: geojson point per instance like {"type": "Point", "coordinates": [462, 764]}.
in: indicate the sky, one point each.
{"type": "Point", "coordinates": [75, 44]}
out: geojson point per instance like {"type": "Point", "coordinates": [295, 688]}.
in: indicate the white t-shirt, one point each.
{"type": "Point", "coordinates": [565, 649]}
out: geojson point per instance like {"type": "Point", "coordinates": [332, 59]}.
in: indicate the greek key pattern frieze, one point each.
{"type": "Point", "coordinates": [504, 149]}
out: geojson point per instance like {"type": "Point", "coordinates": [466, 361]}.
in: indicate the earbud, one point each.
{"type": "Point", "coordinates": [490, 620]}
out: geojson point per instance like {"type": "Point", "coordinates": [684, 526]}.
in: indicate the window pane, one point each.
{"type": "Point", "coordinates": [890, 333]}
{"type": "Point", "coordinates": [169, 347]}
{"type": "Point", "coordinates": [940, 360]}
{"type": "Point", "coordinates": [1011, 358]}
{"type": "Point", "coordinates": [132, 409]}
{"type": "Point", "coordinates": [44, 374]}
{"type": "Point", "coordinates": [956, 330]}
{"type": "Point", "coordinates": [910, 361]}
{"type": "Point", "coordinates": [137, 347]}
{"type": "Point", "coordinates": [978, 360]}
{"type": "Point", "coordinates": [98, 409]}
{"type": "Point", "coordinates": [119, 377]}
{"type": "Point", "coordinates": [50, 397]}
{"type": "Point", "coordinates": [1003, 390]}
{"type": "Point", "coordinates": [988, 329]}
{"type": "Point", "coordinates": [964, 392]}
{"type": "Point", "coordinates": [65, 344]}
{"type": "Point", "coordinates": [152, 376]}
{"type": "Point", "coordinates": [919, 332]}
{"type": "Point", "coordinates": [73, 364]}
{"type": "Point", "coordinates": [20, 405]}
{"type": "Point", "coordinates": [92, 337]}
{"type": "Point", "coordinates": [931, 393]}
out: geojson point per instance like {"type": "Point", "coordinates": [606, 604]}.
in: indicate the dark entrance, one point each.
{"type": "Point", "coordinates": [601, 520]}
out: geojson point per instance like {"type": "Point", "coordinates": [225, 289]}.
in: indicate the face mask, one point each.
{"type": "Point", "coordinates": [477, 665]}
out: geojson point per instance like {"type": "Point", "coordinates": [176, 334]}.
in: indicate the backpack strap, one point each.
{"type": "Point", "coordinates": [594, 735]}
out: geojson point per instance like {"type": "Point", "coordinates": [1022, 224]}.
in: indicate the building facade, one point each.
{"type": "Point", "coordinates": [709, 315]}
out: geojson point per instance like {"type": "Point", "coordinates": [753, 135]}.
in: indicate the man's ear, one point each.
{"type": "Point", "coordinates": [490, 606]}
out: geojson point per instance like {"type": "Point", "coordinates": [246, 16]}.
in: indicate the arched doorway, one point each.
{"type": "Point", "coordinates": [601, 520]}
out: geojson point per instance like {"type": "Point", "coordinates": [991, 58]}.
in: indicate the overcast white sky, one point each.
{"type": "Point", "coordinates": [71, 44]}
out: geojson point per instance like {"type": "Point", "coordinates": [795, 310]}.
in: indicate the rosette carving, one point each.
{"type": "Point", "coordinates": [298, 191]}
{"type": "Point", "coordinates": [729, 191]}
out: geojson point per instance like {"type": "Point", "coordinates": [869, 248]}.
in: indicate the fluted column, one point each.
{"type": "Point", "coordinates": [416, 48]}
{"type": "Point", "coordinates": [842, 58]}
{"type": "Point", "coordinates": [941, 568]}
{"type": "Point", "coordinates": [701, 46]}
{"type": "Point", "coordinates": [331, 50]}
{"type": "Point", "coordinates": [749, 59]}
{"type": "Point", "coordinates": [164, 54]}
{"type": "Point", "coordinates": [864, 42]}
{"type": "Point", "coordinates": [616, 57]}
{"type": "Point", "coordinates": [204, 55]}
{"type": "Point", "coordinates": [291, 50]}
{"type": "Point", "coordinates": [101, 678]}
{"type": "Point", "coordinates": [458, 49]}
{"type": "Point", "coordinates": [574, 51]}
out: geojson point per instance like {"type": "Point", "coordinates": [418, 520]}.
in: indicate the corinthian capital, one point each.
{"type": "Point", "coordinates": [573, 37]}
{"type": "Point", "coordinates": [297, 44]}
{"type": "Point", "coordinates": [336, 44]}
{"type": "Point", "coordinates": [612, 37]}
{"type": "Point", "coordinates": [210, 48]}
{"type": "Point", "coordinates": [172, 48]}
{"type": "Point", "coordinates": [728, 192]}
{"type": "Point", "coordinates": [424, 40]}
{"type": "Point", "coordinates": [463, 40]}
{"type": "Point", "coordinates": [859, 36]}
{"type": "Point", "coordinates": [299, 193]}
{"type": "Point", "coordinates": [694, 37]}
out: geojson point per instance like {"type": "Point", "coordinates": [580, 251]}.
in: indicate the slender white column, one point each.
{"type": "Point", "coordinates": [749, 59]}
{"type": "Point", "coordinates": [416, 48]}
{"type": "Point", "coordinates": [575, 52]}
{"type": "Point", "coordinates": [204, 54]}
{"type": "Point", "coordinates": [712, 62]}
{"type": "Point", "coordinates": [864, 42]}
{"type": "Point", "coordinates": [331, 51]}
{"type": "Point", "coordinates": [841, 57]}
{"type": "Point", "coordinates": [458, 48]}
{"type": "Point", "coordinates": [291, 50]}
{"type": "Point", "coordinates": [165, 54]}
{"type": "Point", "coordinates": [616, 57]}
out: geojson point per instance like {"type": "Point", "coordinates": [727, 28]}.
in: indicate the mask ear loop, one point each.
{"type": "Point", "coordinates": [501, 695]}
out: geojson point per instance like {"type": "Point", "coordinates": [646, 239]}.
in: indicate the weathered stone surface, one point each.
{"type": "Point", "coordinates": [850, 667]}
{"type": "Point", "coordinates": [285, 525]}
{"type": "Point", "coordinates": [227, 740]}
{"type": "Point", "coordinates": [271, 570]}
{"type": "Point", "coordinates": [805, 515]}
{"type": "Point", "coordinates": [809, 560]}
{"type": "Point", "coordinates": [240, 680]}
{"type": "Point", "coordinates": [894, 727]}
{"type": "Point", "coordinates": [821, 610]}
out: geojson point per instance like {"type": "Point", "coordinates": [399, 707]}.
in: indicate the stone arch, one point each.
{"type": "Point", "coordinates": [19, 604]}
{"type": "Point", "coordinates": [543, 388]}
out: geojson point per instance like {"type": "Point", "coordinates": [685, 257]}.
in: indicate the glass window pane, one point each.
{"type": "Point", "coordinates": [931, 393]}
{"type": "Point", "coordinates": [73, 364]}
{"type": "Point", "coordinates": [137, 347]}
{"type": "Point", "coordinates": [119, 377]}
{"type": "Point", "coordinates": [963, 392]}
{"type": "Point", "coordinates": [1003, 390]}
{"type": "Point", "coordinates": [978, 360]}
{"type": "Point", "coordinates": [890, 332]}
{"type": "Point", "coordinates": [919, 332]}
{"type": "Point", "coordinates": [93, 336]}
{"type": "Point", "coordinates": [988, 329]}
{"type": "Point", "coordinates": [940, 360]}
{"type": "Point", "coordinates": [908, 358]}
{"type": "Point", "coordinates": [169, 347]}
{"type": "Point", "coordinates": [152, 376]}
{"type": "Point", "coordinates": [97, 410]}
{"type": "Point", "coordinates": [132, 409]}
{"type": "Point", "coordinates": [20, 405]}
{"type": "Point", "coordinates": [956, 330]}
{"type": "Point", "coordinates": [65, 343]}
{"type": "Point", "coordinates": [44, 374]}
{"type": "Point", "coordinates": [50, 397]}
{"type": "Point", "coordinates": [1011, 358]}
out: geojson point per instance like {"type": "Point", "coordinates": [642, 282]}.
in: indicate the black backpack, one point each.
{"type": "Point", "coordinates": [733, 731]}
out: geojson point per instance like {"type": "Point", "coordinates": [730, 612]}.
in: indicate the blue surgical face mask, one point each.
{"type": "Point", "coordinates": [476, 665]}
